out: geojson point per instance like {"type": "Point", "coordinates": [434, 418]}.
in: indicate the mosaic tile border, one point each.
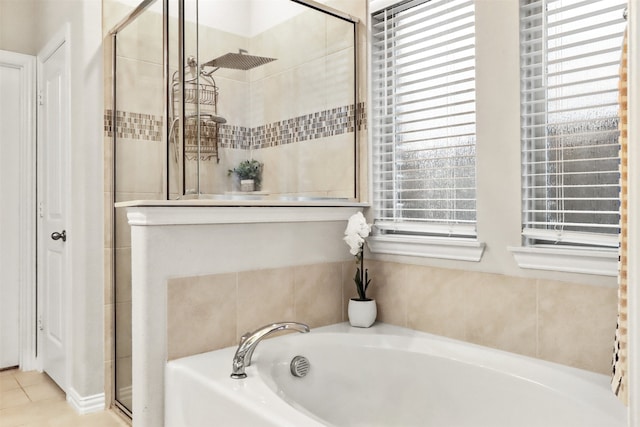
{"type": "Point", "coordinates": [146, 127]}
{"type": "Point", "coordinates": [307, 127]}
{"type": "Point", "coordinates": [322, 124]}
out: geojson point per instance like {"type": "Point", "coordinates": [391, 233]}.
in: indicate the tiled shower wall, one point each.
{"type": "Point", "coordinates": [557, 321]}
{"type": "Point", "coordinates": [305, 96]}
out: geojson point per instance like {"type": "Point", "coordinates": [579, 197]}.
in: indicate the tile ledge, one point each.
{"type": "Point", "coordinates": [149, 215]}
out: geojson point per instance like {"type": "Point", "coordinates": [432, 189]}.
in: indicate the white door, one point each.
{"type": "Point", "coordinates": [11, 124]}
{"type": "Point", "coordinates": [53, 141]}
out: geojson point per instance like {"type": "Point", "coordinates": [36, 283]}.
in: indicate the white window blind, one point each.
{"type": "Point", "coordinates": [570, 59]}
{"type": "Point", "coordinates": [423, 117]}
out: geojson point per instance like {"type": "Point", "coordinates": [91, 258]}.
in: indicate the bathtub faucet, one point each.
{"type": "Point", "coordinates": [250, 340]}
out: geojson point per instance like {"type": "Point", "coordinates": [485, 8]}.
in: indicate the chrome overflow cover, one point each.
{"type": "Point", "coordinates": [300, 366]}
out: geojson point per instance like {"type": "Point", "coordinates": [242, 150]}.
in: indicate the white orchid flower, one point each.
{"type": "Point", "coordinates": [355, 243]}
{"type": "Point", "coordinates": [355, 233]}
{"type": "Point", "coordinates": [358, 225]}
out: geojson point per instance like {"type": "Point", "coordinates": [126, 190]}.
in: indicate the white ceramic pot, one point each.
{"type": "Point", "coordinates": [362, 314]}
{"type": "Point", "coordinates": [247, 185]}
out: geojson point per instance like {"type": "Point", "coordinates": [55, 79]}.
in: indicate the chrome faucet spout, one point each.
{"type": "Point", "coordinates": [250, 340]}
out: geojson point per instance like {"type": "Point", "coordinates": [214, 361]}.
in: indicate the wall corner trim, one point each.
{"type": "Point", "coordinates": [85, 404]}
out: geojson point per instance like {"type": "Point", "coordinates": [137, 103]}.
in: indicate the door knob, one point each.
{"type": "Point", "coordinates": [57, 236]}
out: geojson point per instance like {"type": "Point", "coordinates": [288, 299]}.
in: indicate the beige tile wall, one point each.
{"type": "Point", "coordinates": [311, 74]}
{"type": "Point", "coordinates": [210, 312]}
{"type": "Point", "coordinates": [556, 321]}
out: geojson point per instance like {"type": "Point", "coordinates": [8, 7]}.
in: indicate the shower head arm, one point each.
{"type": "Point", "coordinates": [208, 73]}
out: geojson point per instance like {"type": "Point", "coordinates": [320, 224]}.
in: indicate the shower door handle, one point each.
{"type": "Point", "coordinates": [57, 236]}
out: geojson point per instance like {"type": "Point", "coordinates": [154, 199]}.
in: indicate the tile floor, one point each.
{"type": "Point", "coordinates": [32, 399]}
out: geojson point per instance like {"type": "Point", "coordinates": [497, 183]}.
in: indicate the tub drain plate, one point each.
{"type": "Point", "coordinates": [300, 366]}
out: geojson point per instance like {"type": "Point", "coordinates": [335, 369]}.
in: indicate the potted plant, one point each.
{"type": "Point", "coordinates": [249, 172]}
{"type": "Point", "coordinates": [362, 310]}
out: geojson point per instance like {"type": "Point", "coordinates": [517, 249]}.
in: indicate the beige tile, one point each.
{"type": "Point", "coordinates": [577, 324]}
{"type": "Point", "coordinates": [7, 382]}
{"type": "Point", "coordinates": [282, 173]}
{"type": "Point", "coordinates": [389, 288]}
{"type": "Point", "coordinates": [45, 390]}
{"type": "Point", "coordinates": [340, 80]}
{"type": "Point", "coordinates": [278, 97]}
{"type": "Point", "coordinates": [276, 43]}
{"type": "Point", "coordinates": [123, 329]}
{"type": "Point", "coordinates": [142, 39]}
{"type": "Point", "coordinates": [348, 284]}
{"type": "Point", "coordinates": [309, 39]}
{"type": "Point", "coordinates": [35, 414]}
{"type": "Point", "coordinates": [437, 302]}
{"type": "Point", "coordinates": [201, 314]}
{"type": "Point", "coordinates": [123, 386]}
{"type": "Point", "coordinates": [113, 12]}
{"type": "Point", "coordinates": [108, 331]}
{"type": "Point", "coordinates": [348, 287]}
{"type": "Point", "coordinates": [108, 378]}
{"type": "Point", "coordinates": [318, 294]}
{"type": "Point", "coordinates": [108, 218]}
{"type": "Point", "coordinates": [354, 8]}
{"type": "Point", "coordinates": [233, 102]}
{"type": "Point", "coordinates": [108, 275]}
{"type": "Point", "coordinates": [140, 166]}
{"type": "Point", "coordinates": [8, 372]}
{"type": "Point", "coordinates": [339, 34]}
{"type": "Point", "coordinates": [12, 398]}
{"type": "Point", "coordinates": [265, 296]}
{"type": "Point", "coordinates": [108, 165]}
{"type": "Point", "coordinates": [99, 419]}
{"type": "Point", "coordinates": [107, 64]}
{"type": "Point", "coordinates": [308, 92]}
{"type": "Point", "coordinates": [122, 288]}
{"type": "Point", "coordinates": [328, 164]}
{"type": "Point", "coordinates": [27, 378]}
{"type": "Point", "coordinates": [501, 313]}
{"type": "Point", "coordinates": [257, 106]}
{"type": "Point", "coordinates": [139, 88]}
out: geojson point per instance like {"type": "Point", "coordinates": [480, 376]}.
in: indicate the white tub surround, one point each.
{"type": "Point", "coordinates": [381, 376]}
{"type": "Point", "coordinates": [198, 237]}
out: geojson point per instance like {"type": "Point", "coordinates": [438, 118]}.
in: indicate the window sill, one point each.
{"type": "Point", "coordinates": [601, 262]}
{"type": "Point", "coordinates": [428, 247]}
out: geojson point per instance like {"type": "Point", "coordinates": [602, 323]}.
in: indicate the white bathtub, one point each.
{"type": "Point", "coordinates": [385, 376]}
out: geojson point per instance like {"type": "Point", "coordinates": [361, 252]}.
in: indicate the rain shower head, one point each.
{"type": "Point", "coordinates": [238, 61]}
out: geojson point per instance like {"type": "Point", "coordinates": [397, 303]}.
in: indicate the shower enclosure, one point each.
{"type": "Point", "coordinates": [276, 84]}
{"type": "Point", "coordinates": [201, 88]}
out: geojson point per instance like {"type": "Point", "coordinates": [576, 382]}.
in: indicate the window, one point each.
{"type": "Point", "coordinates": [570, 59]}
{"type": "Point", "coordinates": [423, 119]}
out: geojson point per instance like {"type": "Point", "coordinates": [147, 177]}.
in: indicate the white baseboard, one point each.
{"type": "Point", "coordinates": [85, 404]}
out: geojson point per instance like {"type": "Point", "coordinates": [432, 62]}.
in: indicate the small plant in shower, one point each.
{"type": "Point", "coordinates": [249, 170]}
{"type": "Point", "coordinates": [354, 235]}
